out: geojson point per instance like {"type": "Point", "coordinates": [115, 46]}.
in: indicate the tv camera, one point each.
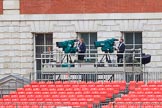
{"type": "Point", "coordinates": [67, 47]}
{"type": "Point", "coordinates": [107, 46]}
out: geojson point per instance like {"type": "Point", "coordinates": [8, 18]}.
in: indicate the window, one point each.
{"type": "Point", "coordinates": [42, 42]}
{"type": "Point", "coordinates": [133, 40]}
{"type": "Point", "coordinates": [89, 39]}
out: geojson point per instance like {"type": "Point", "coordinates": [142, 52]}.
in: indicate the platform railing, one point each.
{"type": "Point", "coordinates": [54, 60]}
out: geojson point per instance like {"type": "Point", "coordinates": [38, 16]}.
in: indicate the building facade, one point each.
{"type": "Point", "coordinates": [28, 27]}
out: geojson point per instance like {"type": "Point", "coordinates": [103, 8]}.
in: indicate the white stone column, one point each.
{"type": "Point", "coordinates": [11, 7]}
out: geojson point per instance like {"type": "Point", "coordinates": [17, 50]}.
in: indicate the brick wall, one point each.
{"type": "Point", "coordinates": [89, 6]}
{"type": "Point", "coordinates": [1, 6]}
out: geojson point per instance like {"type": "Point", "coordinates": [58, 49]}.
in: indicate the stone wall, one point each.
{"type": "Point", "coordinates": [17, 47]}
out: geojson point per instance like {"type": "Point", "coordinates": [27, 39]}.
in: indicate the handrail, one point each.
{"type": "Point", "coordinates": [51, 61]}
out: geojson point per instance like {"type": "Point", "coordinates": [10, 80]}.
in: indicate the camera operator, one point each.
{"type": "Point", "coordinates": [81, 50]}
{"type": "Point", "coordinates": [120, 51]}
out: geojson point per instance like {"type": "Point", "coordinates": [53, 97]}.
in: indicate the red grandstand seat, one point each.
{"type": "Point", "coordinates": [157, 105]}
{"type": "Point", "coordinates": [133, 105]}
{"type": "Point", "coordinates": [28, 89]}
{"type": "Point", "coordinates": [152, 86]}
{"type": "Point", "coordinates": [132, 85]}
{"type": "Point", "coordinates": [72, 96]}
{"type": "Point", "coordinates": [116, 89]}
{"type": "Point", "coordinates": [147, 106]}
{"type": "Point", "coordinates": [159, 83]}
{"type": "Point", "coordinates": [60, 89]}
{"type": "Point", "coordinates": [148, 93]}
{"type": "Point", "coordinates": [15, 100]}
{"type": "Point", "coordinates": [127, 100]}
{"type": "Point", "coordinates": [7, 100]}
{"type": "Point", "coordinates": [43, 86]}
{"type": "Point", "coordinates": [159, 96]}
{"type": "Point", "coordinates": [3, 106]}
{"type": "Point", "coordinates": [97, 98]}
{"type": "Point", "coordinates": [23, 100]}
{"type": "Point", "coordinates": [62, 93]}
{"type": "Point", "coordinates": [24, 106]}
{"type": "Point", "coordinates": [118, 100]}
{"type": "Point", "coordinates": [151, 83]}
{"type": "Point", "coordinates": [80, 96]}
{"type": "Point", "coordinates": [10, 106]}
{"type": "Point", "coordinates": [73, 99]}
{"type": "Point", "coordinates": [39, 100]}
{"type": "Point", "coordinates": [64, 99]}
{"type": "Point", "coordinates": [67, 86]}
{"type": "Point", "coordinates": [141, 96]}
{"type": "Point", "coordinates": [20, 89]}
{"type": "Point", "coordinates": [144, 99]}
{"type": "Point", "coordinates": [13, 92]}
{"type": "Point", "coordinates": [108, 86]}
{"type": "Point", "coordinates": [99, 83]}
{"type": "Point", "coordinates": [110, 105]}
{"type": "Point", "coordinates": [27, 86]}
{"type": "Point", "coordinates": [37, 92]}
{"type": "Point", "coordinates": [28, 93]}
{"type": "Point", "coordinates": [35, 106]}
{"type": "Point", "coordinates": [90, 106]}
{"type": "Point", "coordinates": [77, 89]}
{"type": "Point", "coordinates": [131, 88]}
{"type": "Point", "coordinates": [107, 83]}
{"type": "Point", "coordinates": [139, 83]}
{"type": "Point", "coordinates": [122, 87]}
{"type": "Point", "coordinates": [51, 86]}
{"type": "Point", "coordinates": [22, 96]}
{"type": "Point", "coordinates": [46, 96]}
{"type": "Point", "coordinates": [100, 86]}
{"type": "Point", "coordinates": [90, 100]}
{"type": "Point", "coordinates": [58, 83]}
{"type": "Point", "coordinates": [31, 100]}
{"type": "Point", "coordinates": [70, 93]}
{"type": "Point", "coordinates": [159, 99]}
{"type": "Point", "coordinates": [82, 99]}
{"type": "Point", "coordinates": [83, 104]}
{"type": "Point", "coordinates": [121, 105]}
{"type": "Point", "coordinates": [66, 103]}
{"type": "Point", "coordinates": [36, 89]}
{"type": "Point", "coordinates": [38, 96]}
{"type": "Point", "coordinates": [90, 83]}
{"type": "Point", "coordinates": [93, 89]}
{"type": "Point", "coordinates": [153, 100]}
{"type": "Point", "coordinates": [42, 83]}
{"type": "Point", "coordinates": [75, 104]}
{"type": "Point", "coordinates": [136, 100]}
{"type": "Point", "coordinates": [48, 100]}
{"type": "Point", "coordinates": [48, 106]}
{"type": "Point", "coordinates": [35, 86]}
{"type": "Point", "coordinates": [85, 89]}
{"type": "Point", "coordinates": [103, 96]}
{"type": "Point", "coordinates": [49, 83]}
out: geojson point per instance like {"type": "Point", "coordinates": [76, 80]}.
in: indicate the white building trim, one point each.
{"type": "Point", "coordinates": [97, 16]}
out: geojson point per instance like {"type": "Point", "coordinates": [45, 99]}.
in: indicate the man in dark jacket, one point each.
{"type": "Point", "coordinates": [120, 51]}
{"type": "Point", "coordinates": [81, 50]}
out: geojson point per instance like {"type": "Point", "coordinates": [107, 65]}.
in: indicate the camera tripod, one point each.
{"type": "Point", "coordinates": [101, 63]}
{"type": "Point", "coordinates": [68, 58]}
{"type": "Point", "coordinates": [107, 57]}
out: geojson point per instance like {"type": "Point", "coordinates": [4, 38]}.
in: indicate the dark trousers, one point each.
{"type": "Point", "coordinates": [120, 60]}
{"type": "Point", "coordinates": [80, 56]}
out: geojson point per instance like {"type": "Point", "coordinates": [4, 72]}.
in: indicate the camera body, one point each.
{"type": "Point", "coordinates": [67, 46]}
{"type": "Point", "coordinates": [106, 45]}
